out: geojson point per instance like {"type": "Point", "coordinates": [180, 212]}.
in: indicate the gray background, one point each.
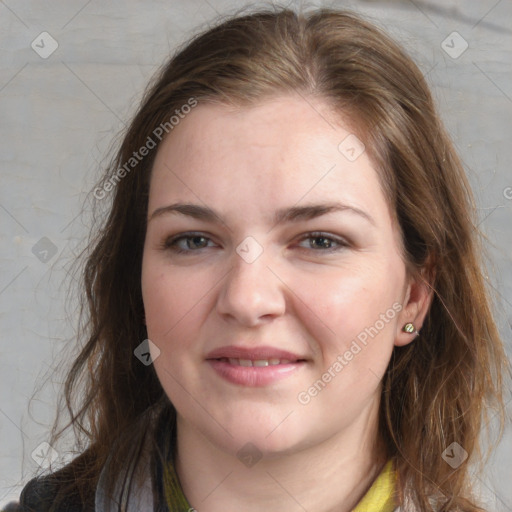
{"type": "Point", "coordinates": [60, 114]}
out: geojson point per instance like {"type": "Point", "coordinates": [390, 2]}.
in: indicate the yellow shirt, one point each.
{"type": "Point", "coordinates": [381, 497]}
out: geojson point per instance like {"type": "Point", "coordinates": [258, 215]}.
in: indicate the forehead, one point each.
{"type": "Point", "coordinates": [276, 125]}
{"type": "Point", "coordinates": [273, 153]}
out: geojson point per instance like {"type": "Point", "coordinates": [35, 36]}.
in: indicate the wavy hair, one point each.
{"type": "Point", "coordinates": [436, 390]}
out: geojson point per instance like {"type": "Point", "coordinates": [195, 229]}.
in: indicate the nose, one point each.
{"type": "Point", "coordinates": [251, 293]}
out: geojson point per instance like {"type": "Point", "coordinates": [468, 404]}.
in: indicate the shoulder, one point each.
{"type": "Point", "coordinates": [39, 494]}
{"type": "Point", "coordinates": [61, 491]}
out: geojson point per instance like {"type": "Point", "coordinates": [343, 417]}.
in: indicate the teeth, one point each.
{"type": "Point", "coordinates": [259, 362]}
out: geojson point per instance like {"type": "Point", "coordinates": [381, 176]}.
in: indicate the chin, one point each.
{"type": "Point", "coordinates": [265, 437]}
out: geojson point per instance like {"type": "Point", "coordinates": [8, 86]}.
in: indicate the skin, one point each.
{"type": "Point", "coordinates": [245, 164]}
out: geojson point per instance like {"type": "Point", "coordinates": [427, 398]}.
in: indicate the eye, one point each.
{"type": "Point", "coordinates": [186, 243]}
{"type": "Point", "coordinates": [324, 242]}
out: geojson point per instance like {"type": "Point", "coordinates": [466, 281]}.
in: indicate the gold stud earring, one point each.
{"type": "Point", "coordinates": [409, 328]}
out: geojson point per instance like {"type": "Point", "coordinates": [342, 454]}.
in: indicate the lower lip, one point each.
{"type": "Point", "coordinates": [254, 376]}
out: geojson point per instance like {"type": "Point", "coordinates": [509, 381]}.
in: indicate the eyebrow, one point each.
{"type": "Point", "coordinates": [282, 216]}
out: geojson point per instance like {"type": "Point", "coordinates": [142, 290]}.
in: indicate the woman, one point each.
{"type": "Point", "coordinates": [286, 308]}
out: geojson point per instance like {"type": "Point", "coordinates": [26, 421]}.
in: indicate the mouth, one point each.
{"type": "Point", "coordinates": [255, 367]}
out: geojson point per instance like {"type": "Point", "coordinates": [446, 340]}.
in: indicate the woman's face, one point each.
{"type": "Point", "coordinates": [272, 279]}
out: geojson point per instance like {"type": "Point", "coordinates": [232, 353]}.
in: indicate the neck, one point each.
{"type": "Point", "coordinates": [330, 476]}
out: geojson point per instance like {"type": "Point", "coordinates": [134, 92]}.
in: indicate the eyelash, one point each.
{"type": "Point", "coordinates": [170, 244]}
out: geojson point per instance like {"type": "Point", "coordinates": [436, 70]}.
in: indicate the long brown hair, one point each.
{"type": "Point", "coordinates": [436, 390]}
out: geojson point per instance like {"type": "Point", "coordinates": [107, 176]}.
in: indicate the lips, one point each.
{"type": "Point", "coordinates": [254, 367]}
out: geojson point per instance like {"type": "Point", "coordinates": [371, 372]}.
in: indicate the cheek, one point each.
{"type": "Point", "coordinates": [344, 306]}
{"type": "Point", "coordinates": [167, 297]}
{"type": "Point", "coordinates": [173, 308]}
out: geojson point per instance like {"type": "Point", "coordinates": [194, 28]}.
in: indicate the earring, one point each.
{"type": "Point", "coordinates": [409, 328]}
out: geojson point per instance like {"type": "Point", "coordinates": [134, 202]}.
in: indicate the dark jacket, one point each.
{"type": "Point", "coordinates": [40, 493]}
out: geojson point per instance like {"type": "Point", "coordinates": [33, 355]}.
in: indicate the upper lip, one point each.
{"type": "Point", "coordinates": [253, 354]}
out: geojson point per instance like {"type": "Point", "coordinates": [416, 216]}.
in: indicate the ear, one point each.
{"type": "Point", "coordinates": [417, 300]}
